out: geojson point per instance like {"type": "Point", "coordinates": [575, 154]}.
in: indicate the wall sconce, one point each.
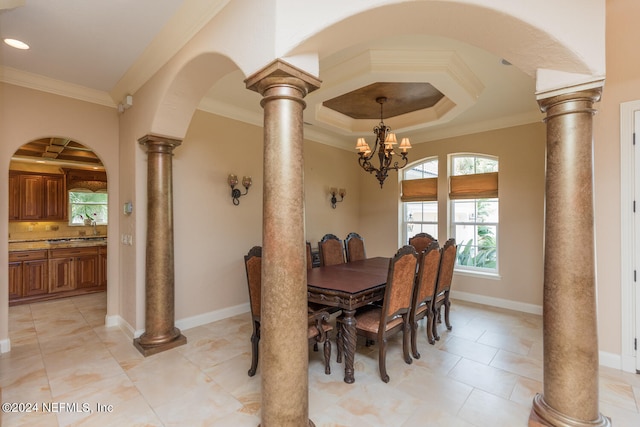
{"type": "Point", "coordinates": [335, 192]}
{"type": "Point", "coordinates": [235, 192]}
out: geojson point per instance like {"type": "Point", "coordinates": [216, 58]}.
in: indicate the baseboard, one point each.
{"type": "Point", "coordinates": [212, 316]}
{"type": "Point", "coordinates": [610, 360]}
{"type": "Point", "coordinates": [5, 346]}
{"type": "Point", "coordinates": [497, 302]}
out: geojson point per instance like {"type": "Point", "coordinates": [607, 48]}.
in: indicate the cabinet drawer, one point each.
{"type": "Point", "coordinates": [72, 252]}
{"type": "Point", "coordinates": [27, 255]}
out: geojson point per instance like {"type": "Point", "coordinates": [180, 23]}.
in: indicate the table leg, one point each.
{"type": "Point", "coordinates": [349, 344]}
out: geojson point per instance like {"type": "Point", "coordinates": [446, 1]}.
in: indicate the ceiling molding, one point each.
{"type": "Point", "coordinates": [57, 87]}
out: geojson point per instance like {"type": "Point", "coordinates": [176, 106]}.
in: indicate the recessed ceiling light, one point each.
{"type": "Point", "coordinates": [17, 44]}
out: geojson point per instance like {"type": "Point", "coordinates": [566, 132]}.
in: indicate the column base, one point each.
{"type": "Point", "coordinates": [311, 424]}
{"type": "Point", "coordinates": [542, 415]}
{"type": "Point", "coordinates": [151, 349]}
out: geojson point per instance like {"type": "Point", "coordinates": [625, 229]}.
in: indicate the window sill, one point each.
{"type": "Point", "coordinates": [480, 274]}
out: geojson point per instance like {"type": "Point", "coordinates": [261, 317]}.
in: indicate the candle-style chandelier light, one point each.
{"type": "Point", "coordinates": [385, 140]}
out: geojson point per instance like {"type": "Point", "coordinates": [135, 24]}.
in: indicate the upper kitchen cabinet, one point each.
{"type": "Point", "coordinates": [43, 171]}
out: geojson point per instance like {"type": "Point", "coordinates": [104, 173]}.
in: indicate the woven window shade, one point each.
{"type": "Point", "coordinates": [477, 186]}
{"type": "Point", "coordinates": [420, 190]}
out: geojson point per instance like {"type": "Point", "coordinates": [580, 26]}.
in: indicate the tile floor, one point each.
{"type": "Point", "coordinates": [484, 372]}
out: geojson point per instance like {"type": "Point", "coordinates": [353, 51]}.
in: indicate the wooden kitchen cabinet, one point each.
{"type": "Point", "coordinates": [73, 269]}
{"type": "Point", "coordinates": [55, 198]}
{"type": "Point", "coordinates": [14, 197]}
{"type": "Point", "coordinates": [31, 197]}
{"type": "Point", "coordinates": [37, 197]}
{"type": "Point", "coordinates": [27, 274]}
{"type": "Point", "coordinates": [102, 266]}
{"type": "Point", "coordinates": [36, 275]}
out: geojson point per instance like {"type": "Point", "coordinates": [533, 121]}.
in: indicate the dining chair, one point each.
{"type": "Point", "coordinates": [330, 248]}
{"type": "Point", "coordinates": [376, 323]}
{"type": "Point", "coordinates": [354, 247]}
{"type": "Point", "coordinates": [423, 292]}
{"type": "Point", "coordinates": [318, 327]}
{"type": "Point", "coordinates": [309, 256]}
{"type": "Point", "coordinates": [420, 241]}
{"type": "Point", "coordinates": [443, 287]}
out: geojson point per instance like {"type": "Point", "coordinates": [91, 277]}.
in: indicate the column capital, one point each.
{"type": "Point", "coordinates": [590, 95]}
{"type": "Point", "coordinates": [159, 143]}
{"type": "Point", "coordinates": [280, 72]}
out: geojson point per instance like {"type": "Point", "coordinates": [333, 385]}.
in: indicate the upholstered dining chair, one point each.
{"type": "Point", "coordinates": [354, 247]}
{"type": "Point", "coordinates": [420, 241]}
{"type": "Point", "coordinates": [443, 287]}
{"type": "Point", "coordinates": [377, 323]}
{"type": "Point", "coordinates": [318, 327]}
{"type": "Point", "coordinates": [423, 292]}
{"type": "Point", "coordinates": [330, 248]}
{"type": "Point", "coordinates": [309, 256]}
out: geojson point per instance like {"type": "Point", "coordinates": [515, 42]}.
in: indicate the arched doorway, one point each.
{"type": "Point", "coordinates": [58, 221]}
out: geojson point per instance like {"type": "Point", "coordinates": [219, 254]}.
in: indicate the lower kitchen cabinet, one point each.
{"type": "Point", "coordinates": [55, 273]}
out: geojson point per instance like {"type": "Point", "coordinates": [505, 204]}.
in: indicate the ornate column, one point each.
{"type": "Point", "coordinates": [160, 331]}
{"type": "Point", "coordinates": [284, 357]}
{"type": "Point", "coordinates": [570, 395]}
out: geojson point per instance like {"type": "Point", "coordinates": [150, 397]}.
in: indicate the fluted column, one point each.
{"type": "Point", "coordinates": [570, 395]}
{"type": "Point", "coordinates": [284, 349]}
{"type": "Point", "coordinates": [160, 331]}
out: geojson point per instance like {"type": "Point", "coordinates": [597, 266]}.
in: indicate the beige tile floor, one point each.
{"type": "Point", "coordinates": [484, 372]}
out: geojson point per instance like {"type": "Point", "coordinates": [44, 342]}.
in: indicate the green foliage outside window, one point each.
{"type": "Point", "coordinates": [88, 205]}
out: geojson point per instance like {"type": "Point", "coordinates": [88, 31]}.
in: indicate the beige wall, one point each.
{"type": "Point", "coordinates": [28, 114]}
{"type": "Point", "coordinates": [622, 85]}
{"type": "Point", "coordinates": [212, 235]}
{"type": "Point", "coordinates": [521, 152]}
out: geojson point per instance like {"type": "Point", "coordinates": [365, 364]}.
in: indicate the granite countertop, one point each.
{"type": "Point", "coordinates": [61, 242]}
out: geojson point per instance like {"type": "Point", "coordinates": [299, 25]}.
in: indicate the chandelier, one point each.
{"type": "Point", "coordinates": [385, 140]}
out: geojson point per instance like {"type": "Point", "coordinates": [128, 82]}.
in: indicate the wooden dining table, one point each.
{"type": "Point", "coordinates": [348, 286]}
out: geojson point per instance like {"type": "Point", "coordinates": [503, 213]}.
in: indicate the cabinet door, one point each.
{"type": "Point", "coordinates": [86, 267]}
{"type": "Point", "coordinates": [54, 198]}
{"type": "Point", "coordinates": [102, 267]}
{"type": "Point", "coordinates": [32, 199]}
{"type": "Point", "coordinates": [14, 197]}
{"type": "Point", "coordinates": [61, 274]}
{"type": "Point", "coordinates": [15, 280]}
{"type": "Point", "coordinates": [34, 277]}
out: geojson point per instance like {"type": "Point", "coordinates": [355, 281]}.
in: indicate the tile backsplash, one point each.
{"type": "Point", "coordinates": [43, 230]}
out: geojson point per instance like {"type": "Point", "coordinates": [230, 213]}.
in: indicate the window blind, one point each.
{"type": "Point", "coordinates": [420, 190]}
{"type": "Point", "coordinates": [476, 186]}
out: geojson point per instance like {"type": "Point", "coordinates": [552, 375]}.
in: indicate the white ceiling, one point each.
{"type": "Point", "coordinates": [98, 44]}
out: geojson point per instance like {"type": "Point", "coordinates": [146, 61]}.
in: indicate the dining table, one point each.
{"type": "Point", "coordinates": [348, 286]}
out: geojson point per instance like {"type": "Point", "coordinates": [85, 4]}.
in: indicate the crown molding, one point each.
{"type": "Point", "coordinates": [57, 87]}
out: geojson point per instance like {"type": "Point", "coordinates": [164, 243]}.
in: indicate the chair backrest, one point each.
{"type": "Point", "coordinates": [420, 241]}
{"type": "Point", "coordinates": [330, 248]}
{"type": "Point", "coordinates": [428, 267]}
{"type": "Point", "coordinates": [309, 257]}
{"type": "Point", "coordinates": [447, 262]}
{"type": "Point", "coordinates": [400, 280]}
{"type": "Point", "coordinates": [354, 247]}
{"type": "Point", "coordinates": [253, 265]}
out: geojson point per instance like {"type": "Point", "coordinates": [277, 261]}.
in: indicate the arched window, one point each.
{"type": "Point", "coordinates": [473, 191]}
{"type": "Point", "coordinates": [420, 199]}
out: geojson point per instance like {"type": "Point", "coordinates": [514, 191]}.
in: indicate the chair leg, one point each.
{"type": "Point", "coordinates": [414, 339]}
{"type": "Point", "coordinates": [430, 324]}
{"type": "Point", "coordinates": [435, 324]}
{"type": "Point", "coordinates": [255, 339]}
{"type": "Point", "coordinates": [447, 307]}
{"type": "Point", "coordinates": [382, 359]}
{"type": "Point", "coordinates": [327, 356]}
{"type": "Point", "coordinates": [406, 336]}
